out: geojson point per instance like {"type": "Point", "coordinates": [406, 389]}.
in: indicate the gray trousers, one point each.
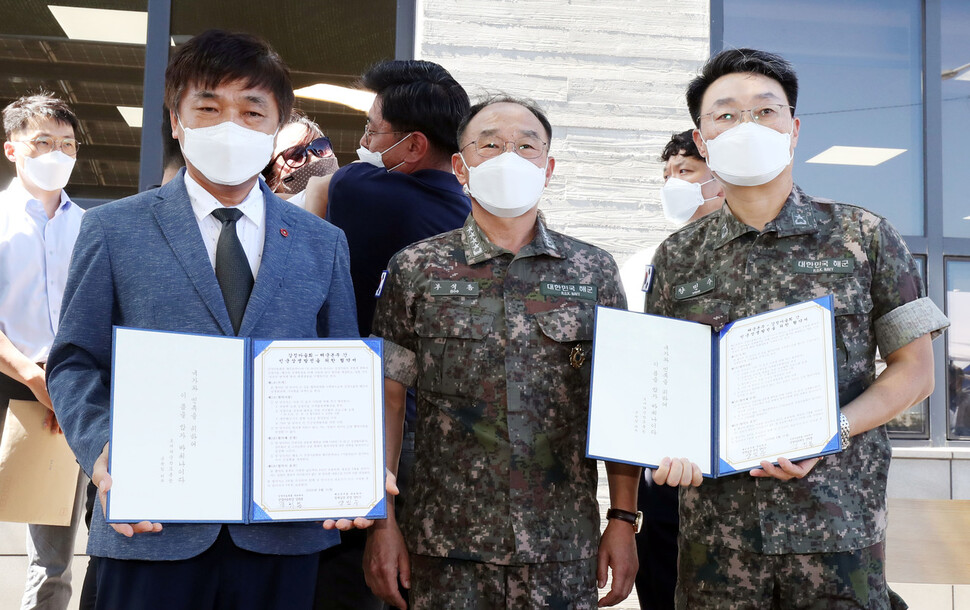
{"type": "Point", "coordinates": [50, 551]}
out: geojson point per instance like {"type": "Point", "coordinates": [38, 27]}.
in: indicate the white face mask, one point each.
{"type": "Point", "coordinates": [749, 154]}
{"type": "Point", "coordinates": [49, 171]}
{"type": "Point", "coordinates": [377, 158]}
{"type": "Point", "coordinates": [507, 186]}
{"type": "Point", "coordinates": [680, 199]}
{"type": "Point", "coordinates": [227, 153]}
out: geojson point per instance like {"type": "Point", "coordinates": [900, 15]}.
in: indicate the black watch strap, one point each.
{"type": "Point", "coordinates": [634, 519]}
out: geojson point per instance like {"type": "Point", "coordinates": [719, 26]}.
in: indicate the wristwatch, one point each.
{"type": "Point", "coordinates": [845, 431]}
{"type": "Point", "coordinates": [634, 519]}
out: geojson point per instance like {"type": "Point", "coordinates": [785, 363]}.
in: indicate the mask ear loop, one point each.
{"type": "Point", "coordinates": [410, 133]}
{"type": "Point", "coordinates": [706, 182]}
{"type": "Point", "coordinates": [464, 187]}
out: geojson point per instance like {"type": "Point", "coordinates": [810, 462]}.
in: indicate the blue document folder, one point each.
{"type": "Point", "coordinates": [241, 430]}
{"type": "Point", "coordinates": [763, 387]}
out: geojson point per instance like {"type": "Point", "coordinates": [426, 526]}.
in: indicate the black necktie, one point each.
{"type": "Point", "coordinates": [232, 267]}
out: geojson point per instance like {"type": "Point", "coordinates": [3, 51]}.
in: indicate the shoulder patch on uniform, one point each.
{"type": "Point", "coordinates": [648, 279]}
{"type": "Point", "coordinates": [380, 286]}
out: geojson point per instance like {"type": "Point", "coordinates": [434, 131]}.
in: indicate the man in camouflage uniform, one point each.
{"type": "Point", "coordinates": [809, 534]}
{"type": "Point", "coordinates": [493, 324]}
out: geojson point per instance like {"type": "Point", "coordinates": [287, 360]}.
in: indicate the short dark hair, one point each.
{"type": "Point", "coordinates": [420, 96]}
{"type": "Point", "coordinates": [215, 57]}
{"type": "Point", "coordinates": [734, 61]}
{"type": "Point", "coordinates": [18, 115]}
{"type": "Point", "coordinates": [171, 149]}
{"type": "Point", "coordinates": [502, 98]}
{"type": "Point", "coordinates": [681, 144]}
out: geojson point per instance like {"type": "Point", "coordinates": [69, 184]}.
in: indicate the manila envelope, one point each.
{"type": "Point", "coordinates": [38, 471]}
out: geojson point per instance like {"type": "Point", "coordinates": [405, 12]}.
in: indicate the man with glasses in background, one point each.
{"type": "Point", "coordinates": [806, 534]}
{"type": "Point", "coordinates": [493, 324]}
{"type": "Point", "coordinates": [38, 227]}
{"type": "Point", "coordinates": [401, 191]}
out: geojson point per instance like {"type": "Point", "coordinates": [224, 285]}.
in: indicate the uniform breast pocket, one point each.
{"type": "Point", "coordinates": [712, 312]}
{"type": "Point", "coordinates": [454, 345]}
{"type": "Point", "coordinates": [567, 335]}
{"type": "Point", "coordinates": [852, 306]}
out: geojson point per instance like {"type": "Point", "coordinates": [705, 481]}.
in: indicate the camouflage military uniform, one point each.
{"type": "Point", "coordinates": [498, 348]}
{"type": "Point", "coordinates": [812, 248]}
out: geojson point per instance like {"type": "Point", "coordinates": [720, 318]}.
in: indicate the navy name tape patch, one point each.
{"type": "Point", "coordinates": [823, 265]}
{"type": "Point", "coordinates": [692, 289]}
{"type": "Point", "coordinates": [459, 288]}
{"type": "Point", "coordinates": [586, 292]}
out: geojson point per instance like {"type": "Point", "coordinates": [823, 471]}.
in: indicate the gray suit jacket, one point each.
{"type": "Point", "coordinates": [141, 262]}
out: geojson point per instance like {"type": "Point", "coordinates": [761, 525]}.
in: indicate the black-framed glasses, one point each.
{"type": "Point", "coordinates": [45, 144]}
{"type": "Point", "coordinates": [295, 156]}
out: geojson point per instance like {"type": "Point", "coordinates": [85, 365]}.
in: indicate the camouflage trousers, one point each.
{"type": "Point", "coordinates": [716, 578]}
{"type": "Point", "coordinates": [439, 583]}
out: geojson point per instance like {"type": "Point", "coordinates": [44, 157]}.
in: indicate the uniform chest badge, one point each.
{"type": "Point", "coordinates": [577, 356]}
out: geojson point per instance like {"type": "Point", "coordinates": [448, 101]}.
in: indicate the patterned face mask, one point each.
{"type": "Point", "coordinates": [297, 180]}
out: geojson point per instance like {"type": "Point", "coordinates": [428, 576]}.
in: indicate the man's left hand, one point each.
{"type": "Point", "coordinates": [617, 553]}
{"type": "Point", "coordinates": [786, 470]}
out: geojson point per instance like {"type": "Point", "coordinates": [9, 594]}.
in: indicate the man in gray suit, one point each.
{"type": "Point", "coordinates": [211, 252]}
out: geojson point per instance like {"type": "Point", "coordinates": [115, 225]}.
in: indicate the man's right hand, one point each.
{"type": "Point", "coordinates": [678, 473]}
{"type": "Point", "coordinates": [102, 480]}
{"type": "Point", "coordinates": [385, 560]}
{"type": "Point", "coordinates": [37, 383]}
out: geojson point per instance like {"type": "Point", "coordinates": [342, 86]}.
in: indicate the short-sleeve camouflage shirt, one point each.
{"type": "Point", "coordinates": [498, 347]}
{"type": "Point", "coordinates": [812, 248]}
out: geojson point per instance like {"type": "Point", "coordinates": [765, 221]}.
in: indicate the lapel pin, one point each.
{"type": "Point", "coordinates": [284, 233]}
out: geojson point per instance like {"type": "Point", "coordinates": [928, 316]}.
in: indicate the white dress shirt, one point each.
{"type": "Point", "coordinates": [249, 227]}
{"type": "Point", "coordinates": [35, 253]}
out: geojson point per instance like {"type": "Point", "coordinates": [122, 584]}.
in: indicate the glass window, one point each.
{"type": "Point", "coordinates": [958, 349]}
{"type": "Point", "coordinates": [955, 59]}
{"type": "Point", "coordinates": [914, 421]}
{"type": "Point", "coordinates": [860, 88]}
{"type": "Point", "coordinates": [330, 43]}
{"type": "Point", "coordinates": [93, 58]}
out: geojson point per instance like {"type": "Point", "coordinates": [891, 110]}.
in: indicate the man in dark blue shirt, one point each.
{"type": "Point", "coordinates": [383, 211]}
{"type": "Point", "coordinates": [402, 191]}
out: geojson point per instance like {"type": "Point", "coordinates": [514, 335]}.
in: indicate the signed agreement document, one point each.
{"type": "Point", "coordinates": [230, 429]}
{"type": "Point", "coordinates": [764, 387]}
